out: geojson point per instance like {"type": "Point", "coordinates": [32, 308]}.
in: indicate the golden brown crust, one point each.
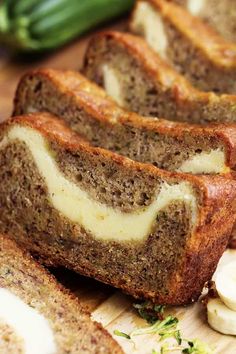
{"type": "Point", "coordinates": [8, 245]}
{"type": "Point", "coordinates": [79, 88]}
{"type": "Point", "coordinates": [218, 50]}
{"type": "Point", "coordinates": [103, 108]}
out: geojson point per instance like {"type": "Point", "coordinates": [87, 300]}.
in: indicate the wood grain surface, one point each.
{"type": "Point", "coordinates": [108, 306]}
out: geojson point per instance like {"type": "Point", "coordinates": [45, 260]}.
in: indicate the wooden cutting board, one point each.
{"type": "Point", "coordinates": [115, 311]}
{"type": "Point", "coordinates": [108, 306]}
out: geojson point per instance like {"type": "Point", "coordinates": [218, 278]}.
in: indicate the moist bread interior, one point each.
{"type": "Point", "coordinates": [184, 52]}
{"type": "Point", "coordinates": [39, 93]}
{"type": "Point", "coordinates": [146, 231]}
{"type": "Point", "coordinates": [10, 343]}
{"type": "Point", "coordinates": [28, 213]}
{"type": "Point", "coordinates": [219, 14]}
{"type": "Point", "coordinates": [148, 85]}
{"type": "Point", "coordinates": [24, 279]}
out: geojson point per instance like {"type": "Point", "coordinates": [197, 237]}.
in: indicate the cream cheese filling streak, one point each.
{"type": "Point", "coordinates": [102, 221]}
{"type": "Point", "coordinates": [146, 20]}
{"type": "Point", "coordinates": [195, 6]}
{"type": "Point", "coordinates": [28, 324]}
{"type": "Point", "coordinates": [204, 162]}
{"type": "Point", "coordinates": [111, 84]}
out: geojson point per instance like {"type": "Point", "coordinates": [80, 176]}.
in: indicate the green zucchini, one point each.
{"type": "Point", "coordinates": [40, 25]}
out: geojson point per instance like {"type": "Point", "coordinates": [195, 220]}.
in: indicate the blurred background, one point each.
{"type": "Point", "coordinates": [49, 33]}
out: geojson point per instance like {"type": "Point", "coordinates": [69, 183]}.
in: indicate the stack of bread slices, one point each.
{"type": "Point", "coordinates": [124, 173]}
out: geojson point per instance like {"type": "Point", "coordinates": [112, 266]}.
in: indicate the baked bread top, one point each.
{"type": "Point", "coordinates": [91, 112]}
{"type": "Point", "coordinates": [54, 321]}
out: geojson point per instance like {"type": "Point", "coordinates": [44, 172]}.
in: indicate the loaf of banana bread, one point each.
{"type": "Point", "coordinates": [189, 44]}
{"type": "Point", "coordinates": [153, 233]}
{"type": "Point", "coordinates": [37, 315]}
{"type": "Point", "coordinates": [138, 79]}
{"type": "Point", "coordinates": [89, 111]}
{"type": "Point", "coordinates": [220, 14]}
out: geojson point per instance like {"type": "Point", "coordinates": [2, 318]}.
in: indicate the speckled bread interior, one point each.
{"type": "Point", "coordinates": [220, 14]}
{"type": "Point", "coordinates": [170, 265]}
{"type": "Point", "coordinates": [73, 330]}
{"type": "Point", "coordinates": [89, 111]}
{"type": "Point", "coordinates": [150, 86]}
{"type": "Point", "coordinates": [194, 48]}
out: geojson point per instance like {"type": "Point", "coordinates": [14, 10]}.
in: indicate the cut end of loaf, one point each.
{"type": "Point", "coordinates": [102, 221]}
{"type": "Point", "coordinates": [94, 202]}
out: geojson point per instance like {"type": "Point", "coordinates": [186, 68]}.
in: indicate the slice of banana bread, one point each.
{"type": "Point", "coordinates": [90, 112]}
{"type": "Point", "coordinates": [193, 47]}
{"type": "Point", "coordinates": [136, 77]}
{"type": "Point", "coordinates": [220, 14]}
{"type": "Point", "coordinates": [153, 233]}
{"type": "Point", "coordinates": [39, 316]}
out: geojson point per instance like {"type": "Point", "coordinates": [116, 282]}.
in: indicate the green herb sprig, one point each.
{"type": "Point", "coordinates": [169, 324]}
{"type": "Point", "coordinates": [150, 312]}
{"type": "Point", "coordinates": [121, 334]}
{"type": "Point", "coordinates": [196, 346]}
{"type": "Point", "coordinates": [164, 327]}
